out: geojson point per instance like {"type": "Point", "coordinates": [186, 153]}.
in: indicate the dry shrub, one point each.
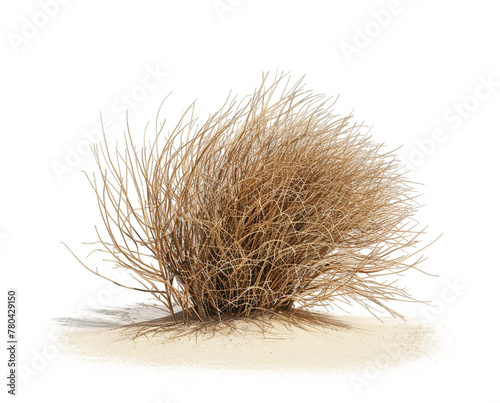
{"type": "Point", "coordinates": [272, 203]}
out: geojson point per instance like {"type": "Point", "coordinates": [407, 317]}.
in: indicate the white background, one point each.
{"type": "Point", "coordinates": [425, 74]}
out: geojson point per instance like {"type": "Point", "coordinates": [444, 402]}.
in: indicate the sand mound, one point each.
{"type": "Point", "coordinates": [319, 342]}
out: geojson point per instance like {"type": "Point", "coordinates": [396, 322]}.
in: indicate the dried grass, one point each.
{"type": "Point", "coordinates": [272, 204]}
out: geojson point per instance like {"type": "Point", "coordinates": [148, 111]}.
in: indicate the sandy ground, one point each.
{"type": "Point", "coordinates": [141, 335]}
